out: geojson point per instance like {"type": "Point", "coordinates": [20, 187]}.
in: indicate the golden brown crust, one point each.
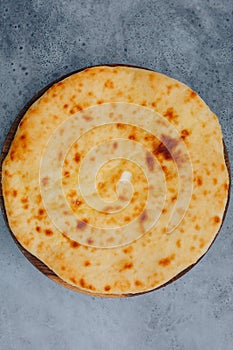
{"type": "Point", "coordinates": [178, 104]}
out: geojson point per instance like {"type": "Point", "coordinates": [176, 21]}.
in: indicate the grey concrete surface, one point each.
{"type": "Point", "coordinates": [188, 40]}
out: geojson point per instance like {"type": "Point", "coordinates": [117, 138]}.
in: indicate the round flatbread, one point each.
{"type": "Point", "coordinates": [116, 179]}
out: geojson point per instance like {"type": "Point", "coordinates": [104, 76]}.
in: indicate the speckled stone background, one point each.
{"type": "Point", "coordinates": [188, 40]}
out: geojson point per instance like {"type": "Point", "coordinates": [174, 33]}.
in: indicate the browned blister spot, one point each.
{"type": "Point", "coordinates": [198, 180]}
{"type": "Point", "coordinates": [166, 261]}
{"type": "Point", "coordinates": [132, 137]}
{"type": "Point", "coordinates": [169, 88]}
{"type": "Point", "coordinates": [151, 77]}
{"type": "Point", "coordinates": [174, 198]}
{"type": "Point", "coordinates": [90, 241]}
{"type": "Point", "coordinates": [197, 227]}
{"type": "Point", "coordinates": [170, 114]}
{"type": "Point", "coordinates": [38, 228]}
{"type": "Point", "coordinates": [23, 139]}
{"type": "Point", "coordinates": [138, 283]}
{"type": "Point", "coordinates": [77, 202]}
{"type": "Point", "coordinates": [77, 157]}
{"type": "Point", "coordinates": [150, 162]}
{"type": "Point", "coordinates": [192, 248]}
{"type": "Point", "coordinates": [153, 104]}
{"type": "Point", "coordinates": [28, 241]}
{"type": "Point", "coordinates": [215, 181]}
{"type": "Point", "coordinates": [107, 288]}
{"type": "Point", "coordinates": [72, 243]}
{"type": "Point", "coordinates": [82, 282]}
{"type": "Point", "coordinates": [14, 193]}
{"type": "Point", "coordinates": [12, 155]}
{"type": "Point", "coordinates": [63, 268]}
{"type": "Point", "coordinates": [178, 244]}
{"type": "Point", "coordinates": [120, 126]}
{"type": "Point", "coordinates": [48, 232]}
{"type": "Point", "coordinates": [216, 219]}
{"type": "Point", "coordinates": [128, 250]}
{"type": "Point", "coordinates": [41, 212]}
{"type": "Point", "coordinates": [60, 83]}
{"type": "Point", "coordinates": [149, 137]}
{"type": "Point", "coordinates": [65, 106]}
{"type": "Point", "coordinates": [165, 170]}
{"type": "Point", "coordinates": [100, 185]}
{"type": "Point", "coordinates": [184, 134]}
{"type": "Point", "coordinates": [91, 287]}
{"type": "Point", "coordinates": [191, 95]}
{"type": "Point", "coordinates": [162, 150]}
{"type": "Point", "coordinates": [67, 174]}
{"type": "Point", "coordinates": [127, 219]}
{"type": "Point", "coordinates": [72, 193]}
{"type": "Point", "coordinates": [6, 173]}
{"type": "Point", "coordinates": [109, 84]}
{"type": "Point", "coordinates": [75, 109]}
{"type": "Point", "coordinates": [202, 243]}
{"type": "Point", "coordinates": [87, 263]}
{"type": "Point", "coordinates": [73, 280]}
{"type": "Point", "coordinates": [102, 69]}
{"type": "Point", "coordinates": [126, 266]}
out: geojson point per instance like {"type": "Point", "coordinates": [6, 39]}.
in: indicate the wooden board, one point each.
{"type": "Point", "coordinates": [35, 261]}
